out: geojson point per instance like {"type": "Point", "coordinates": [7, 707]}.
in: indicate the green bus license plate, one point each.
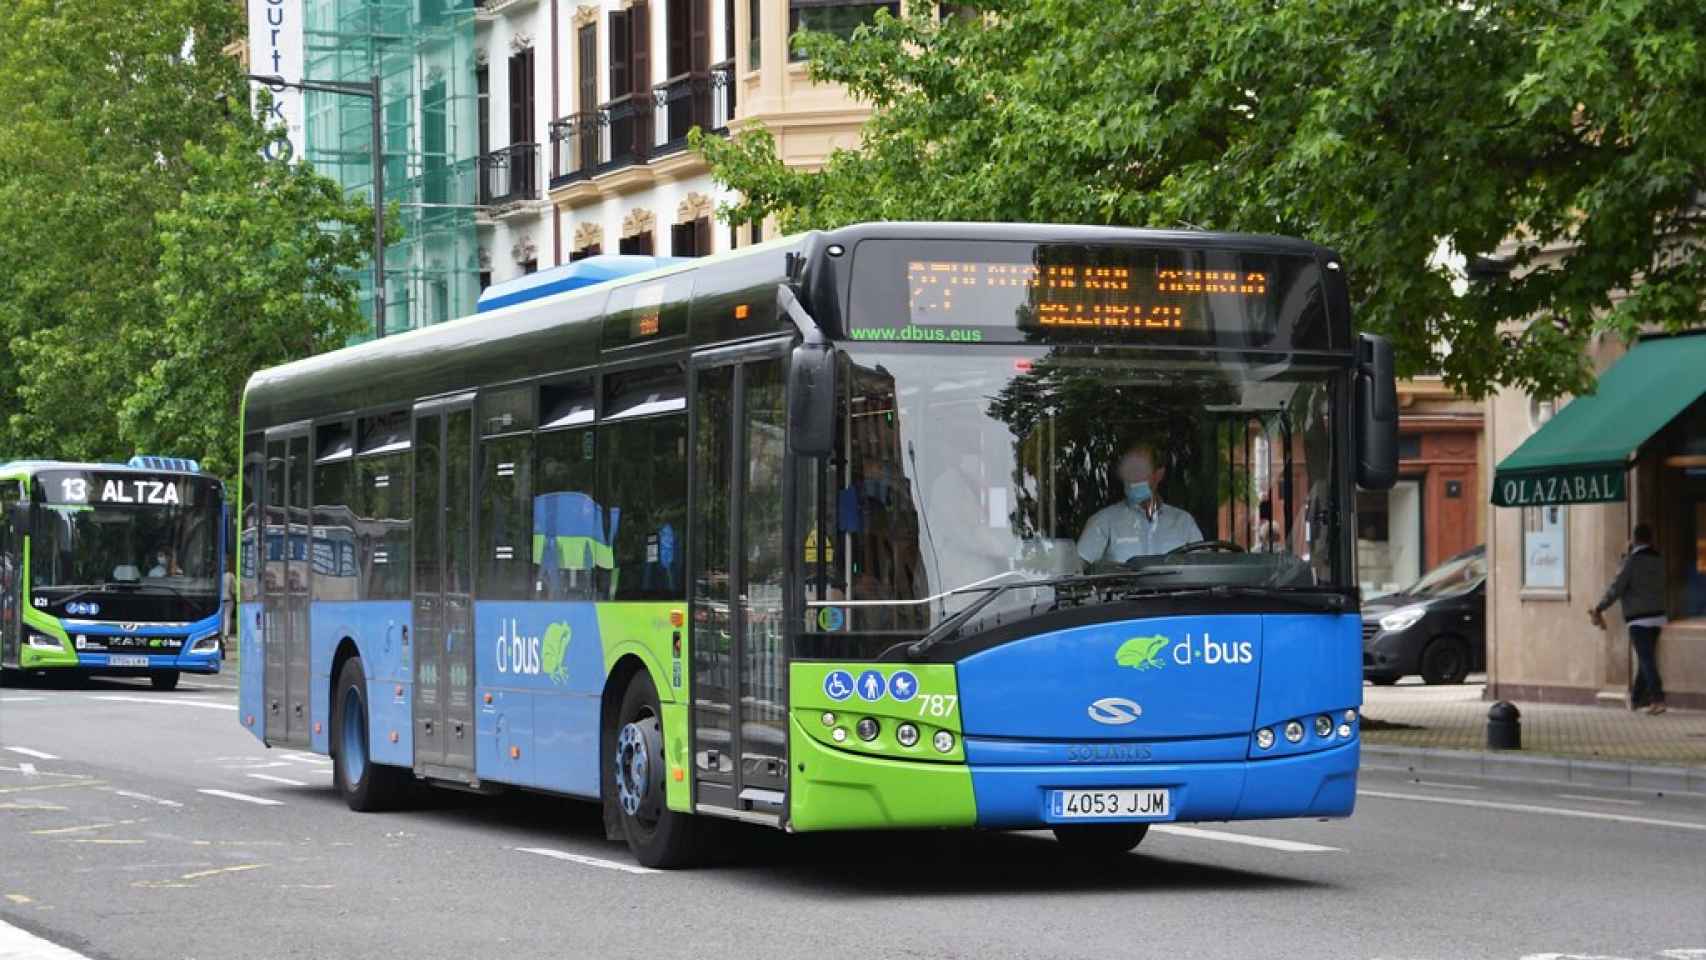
{"type": "Point", "coordinates": [118, 661]}
{"type": "Point", "coordinates": [1139, 804]}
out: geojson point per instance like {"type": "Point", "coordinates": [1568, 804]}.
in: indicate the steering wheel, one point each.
{"type": "Point", "coordinates": [1205, 546]}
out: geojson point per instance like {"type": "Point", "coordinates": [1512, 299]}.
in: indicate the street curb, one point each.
{"type": "Point", "coordinates": [1545, 769]}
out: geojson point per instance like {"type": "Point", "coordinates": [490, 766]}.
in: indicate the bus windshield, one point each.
{"type": "Point", "coordinates": [146, 561]}
{"type": "Point", "coordinates": [962, 468]}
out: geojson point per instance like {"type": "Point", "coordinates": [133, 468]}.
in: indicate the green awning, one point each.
{"type": "Point", "coordinates": [1583, 454]}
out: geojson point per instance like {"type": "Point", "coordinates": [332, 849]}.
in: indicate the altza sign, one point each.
{"type": "Point", "coordinates": [1542, 490]}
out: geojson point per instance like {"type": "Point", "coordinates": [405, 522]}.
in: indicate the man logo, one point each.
{"type": "Point", "coordinates": [1114, 711]}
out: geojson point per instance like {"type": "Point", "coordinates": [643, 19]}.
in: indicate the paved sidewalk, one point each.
{"type": "Point", "coordinates": [1455, 718]}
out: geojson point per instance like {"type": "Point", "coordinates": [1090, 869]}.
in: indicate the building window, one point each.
{"type": "Point", "coordinates": [592, 250]}
{"type": "Point", "coordinates": [586, 69]}
{"type": "Point", "coordinates": [1545, 548]}
{"type": "Point", "coordinates": [1389, 538]}
{"type": "Point", "coordinates": [691, 239]}
{"type": "Point", "coordinates": [621, 43]}
{"type": "Point", "coordinates": [485, 279]}
{"type": "Point", "coordinates": [529, 266]}
{"type": "Point", "coordinates": [758, 231]}
{"type": "Point", "coordinates": [639, 243]}
{"type": "Point", "coordinates": [521, 97]}
{"type": "Point", "coordinates": [753, 35]}
{"type": "Point", "coordinates": [483, 88]}
{"type": "Point", "coordinates": [839, 17]}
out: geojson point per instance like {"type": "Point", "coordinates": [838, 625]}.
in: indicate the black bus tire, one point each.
{"type": "Point", "coordinates": [164, 680]}
{"type": "Point", "coordinates": [1100, 839]}
{"type": "Point", "coordinates": [366, 786]}
{"type": "Point", "coordinates": [657, 836]}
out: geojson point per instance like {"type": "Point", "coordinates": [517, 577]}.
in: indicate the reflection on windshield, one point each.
{"type": "Point", "coordinates": [173, 551]}
{"type": "Point", "coordinates": [1456, 575]}
{"type": "Point", "coordinates": [962, 466]}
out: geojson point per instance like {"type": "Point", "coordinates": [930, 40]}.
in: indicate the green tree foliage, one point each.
{"type": "Point", "coordinates": [150, 260]}
{"type": "Point", "coordinates": [1383, 128]}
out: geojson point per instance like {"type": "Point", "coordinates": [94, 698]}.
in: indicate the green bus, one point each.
{"type": "Point", "coordinates": [111, 568]}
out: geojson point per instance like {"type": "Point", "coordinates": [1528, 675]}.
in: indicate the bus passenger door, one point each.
{"type": "Point", "coordinates": [284, 593]}
{"type": "Point", "coordinates": [444, 589]}
{"type": "Point", "coordinates": [739, 662]}
{"type": "Point", "coordinates": [11, 573]}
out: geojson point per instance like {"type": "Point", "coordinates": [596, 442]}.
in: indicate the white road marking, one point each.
{"type": "Point", "coordinates": [27, 769]}
{"type": "Point", "coordinates": [1534, 808]}
{"type": "Point", "coordinates": [313, 758]}
{"type": "Point", "coordinates": [272, 779]}
{"type": "Point", "coordinates": [167, 700]}
{"type": "Point", "coordinates": [132, 794]}
{"type": "Point", "coordinates": [15, 944]}
{"type": "Point", "coordinates": [1593, 799]}
{"type": "Point", "coordinates": [21, 699]}
{"type": "Point", "coordinates": [227, 794]}
{"type": "Point", "coordinates": [1446, 786]}
{"type": "Point", "coordinates": [586, 860]}
{"type": "Point", "coordinates": [26, 751]}
{"type": "Point", "coordinates": [1198, 833]}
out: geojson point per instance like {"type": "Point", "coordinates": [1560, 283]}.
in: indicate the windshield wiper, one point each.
{"type": "Point", "coordinates": [951, 626]}
{"type": "Point", "coordinates": [1312, 597]}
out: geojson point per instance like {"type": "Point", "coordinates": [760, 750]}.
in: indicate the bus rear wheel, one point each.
{"type": "Point", "coordinates": [366, 786]}
{"type": "Point", "coordinates": [164, 680]}
{"type": "Point", "coordinates": [1100, 839]}
{"type": "Point", "coordinates": [657, 835]}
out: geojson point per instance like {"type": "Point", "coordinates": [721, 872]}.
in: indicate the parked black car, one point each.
{"type": "Point", "coordinates": [1436, 627]}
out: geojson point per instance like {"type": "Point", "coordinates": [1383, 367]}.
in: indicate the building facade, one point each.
{"type": "Point", "coordinates": [521, 134]}
{"type": "Point", "coordinates": [1563, 518]}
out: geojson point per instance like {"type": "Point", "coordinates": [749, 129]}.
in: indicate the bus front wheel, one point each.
{"type": "Point", "coordinates": [366, 786]}
{"type": "Point", "coordinates": [1101, 839]}
{"type": "Point", "coordinates": [164, 680]}
{"type": "Point", "coordinates": [657, 835]}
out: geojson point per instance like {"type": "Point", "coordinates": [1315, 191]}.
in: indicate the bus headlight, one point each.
{"type": "Point", "coordinates": [867, 728]}
{"type": "Point", "coordinates": [1323, 726]}
{"type": "Point", "coordinates": [206, 643]}
{"type": "Point", "coordinates": [944, 741]}
{"type": "Point", "coordinates": [907, 734]}
{"type": "Point", "coordinates": [1264, 738]}
{"type": "Point", "coordinates": [40, 642]}
{"type": "Point", "coordinates": [1293, 731]}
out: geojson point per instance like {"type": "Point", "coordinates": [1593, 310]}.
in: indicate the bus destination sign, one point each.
{"type": "Point", "coordinates": [100, 488]}
{"type": "Point", "coordinates": [1080, 295]}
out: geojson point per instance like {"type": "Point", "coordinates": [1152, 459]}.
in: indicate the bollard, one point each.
{"type": "Point", "coordinates": [1504, 726]}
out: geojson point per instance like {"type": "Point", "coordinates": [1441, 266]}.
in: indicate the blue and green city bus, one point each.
{"type": "Point", "coordinates": [111, 568]}
{"type": "Point", "coordinates": [891, 526]}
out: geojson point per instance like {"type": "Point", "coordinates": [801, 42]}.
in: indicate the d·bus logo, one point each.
{"type": "Point", "coordinates": [1152, 652]}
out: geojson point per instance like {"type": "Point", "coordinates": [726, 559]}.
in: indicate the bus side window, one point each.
{"type": "Point", "coordinates": [249, 550]}
{"type": "Point", "coordinates": [643, 480]}
{"type": "Point", "coordinates": [384, 505]}
{"type": "Point", "coordinates": [569, 549]}
{"type": "Point", "coordinates": [505, 501]}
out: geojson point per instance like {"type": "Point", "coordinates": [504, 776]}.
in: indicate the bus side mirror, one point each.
{"type": "Point", "coordinates": [811, 400]}
{"type": "Point", "coordinates": [1376, 414]}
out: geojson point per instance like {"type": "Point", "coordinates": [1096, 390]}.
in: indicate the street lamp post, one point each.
{"type": "Point", "coordinates": [369, 90]}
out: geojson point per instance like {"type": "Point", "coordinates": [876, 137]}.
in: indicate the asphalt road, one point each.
{"type": "Point", "coordinates": [136, 824]}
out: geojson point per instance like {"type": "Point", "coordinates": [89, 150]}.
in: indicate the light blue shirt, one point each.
{"type": "Point", "coordinates": [1122, 531]}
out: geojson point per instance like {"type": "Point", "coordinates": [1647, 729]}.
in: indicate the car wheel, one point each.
{"type": "Point", "coordinates": [1100, 839]}
{"type": "Point", "coordinates": [166, 680]}
{"type": "Point", "coordinates": [657, 835]}
{"type": "Point", "coordinates": [1446, 660]}
{"type": "Point", "coordinates": [365, 786]}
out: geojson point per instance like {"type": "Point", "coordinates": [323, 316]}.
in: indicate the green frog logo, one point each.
{"type": "Point", "coordinates": [555, 652]}
{"type": "Point", "coordinates": [1141, 653]}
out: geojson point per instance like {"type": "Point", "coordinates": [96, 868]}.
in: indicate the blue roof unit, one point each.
{"type": "Point", "coordinates": [570, 276]}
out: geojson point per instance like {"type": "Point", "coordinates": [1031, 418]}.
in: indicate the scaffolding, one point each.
{"type": "Point", "coordinates": [423, 53]}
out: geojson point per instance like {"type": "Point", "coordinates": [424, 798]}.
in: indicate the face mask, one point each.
{"type": "Point", "coordinates": [1137, 493]}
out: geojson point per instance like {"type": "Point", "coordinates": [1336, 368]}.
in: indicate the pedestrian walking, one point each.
{"type": "Point", "coordinates": [1639, 588]}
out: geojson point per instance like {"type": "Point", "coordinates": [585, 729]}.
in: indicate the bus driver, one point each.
{"type": "Point", "coordinates": [1140, 525]}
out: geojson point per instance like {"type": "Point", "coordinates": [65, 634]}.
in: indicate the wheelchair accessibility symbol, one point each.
{"type": "Point", "coordinates": [838, 685]}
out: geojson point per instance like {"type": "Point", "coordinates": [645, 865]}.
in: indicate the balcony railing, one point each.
{"type": "Point", "coordinates": [683, 102]}
{"type": "Point", "coordinates": [636, 128]}
{"type": "Point", "coordinates": [722, 95]}
{"type": "Point", "coordinates": [510, 175]}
